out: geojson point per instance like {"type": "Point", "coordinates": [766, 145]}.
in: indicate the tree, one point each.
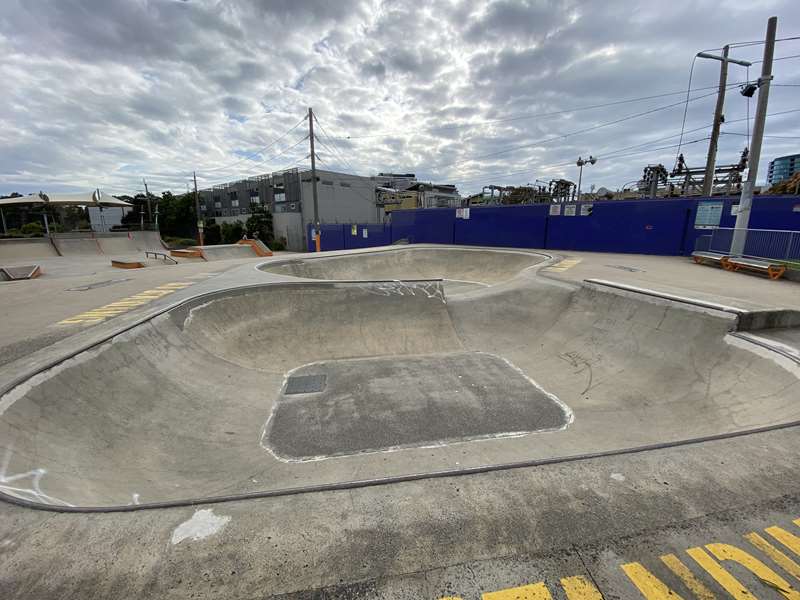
{"type": "Point", "coordinates": [259, 225]}
{"type": "Point", "coordinates": [177, 216]}
{"type": "Point", "coordinates": [232, 232]}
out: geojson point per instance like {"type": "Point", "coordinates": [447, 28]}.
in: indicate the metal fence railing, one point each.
{"type": "Point", "coordinates": [775, 244]}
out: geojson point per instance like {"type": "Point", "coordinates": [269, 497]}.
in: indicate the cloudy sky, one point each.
{"type": "Point", "coordinates": [100, 93]}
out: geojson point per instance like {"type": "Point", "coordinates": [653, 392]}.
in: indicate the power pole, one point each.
{"type": "Point", "coordinates": [746, 201]}
{"type": "Point", "coordinates": [197, 210]}
{"type": "Point", "coordinates": [314, 179]}
{"type": "Point", "coordinates": [708, 180]}
{"type": "Point", "coordinates": [147, 195]}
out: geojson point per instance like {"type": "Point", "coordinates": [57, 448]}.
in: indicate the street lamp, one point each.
{"type": "Point", "coordinates": [589, 161]}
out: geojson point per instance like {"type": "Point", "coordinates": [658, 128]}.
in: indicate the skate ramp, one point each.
{"type": "Point", "coordinates": [130, 243]}
{"type": "Point", "coordinates": [287, 385]}
{"type": "Point", "coordinates": [464, 265]}
{"type": "Point", "coordinates": [77, 246]}
{"type": "Point", "coordinates": [226, 251]}
{"type": "Point", "coordinates": [17, 251]}
{"type": "Point", "coordinates": [20, 272]}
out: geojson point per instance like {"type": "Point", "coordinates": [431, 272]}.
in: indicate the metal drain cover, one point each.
{"type": "Point", "coordinates": [305, 384]}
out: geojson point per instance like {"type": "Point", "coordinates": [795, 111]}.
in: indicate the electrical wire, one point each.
{"type": "Point", "coordinates": [278, 155]}
{"type": "Point", "coordinates": [686, 107]}
{"type": "Point", "coordinates": [576, 132]}
{"type": "Point", "coordinates": [532, 115]}
{"type": "Point", "coordinates": [259, 151]}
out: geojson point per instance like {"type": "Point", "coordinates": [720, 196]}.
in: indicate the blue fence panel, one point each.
{"type": "Point", "coordinates": [642, 227]}
{"type": "Point", "coordinates": [430, 225]}
{"type": "Point", "coordinates": [331, 237]}
{"type": "Point", "coordinates": [377, 234]}
{"type": "Point", "coordinates": [511, 226]}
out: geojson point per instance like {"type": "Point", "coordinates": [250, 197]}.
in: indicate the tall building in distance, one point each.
{"type": "Point", "coordinates": [782, 168]}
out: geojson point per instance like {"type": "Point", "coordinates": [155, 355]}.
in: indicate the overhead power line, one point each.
{"type": "Point", "coordinates": [576, 132]}
{"type": "Point", "coordinates": [530, 115]}
{"type": "Point", "coordinates": [255, 153]}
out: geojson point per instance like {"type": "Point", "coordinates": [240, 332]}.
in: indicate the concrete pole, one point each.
{"type": "Point", "coordinates": [314, 179]}
{"type": "Point", "coordinates": [708, 180]}
{"type": "Point", "coordinates": [197, 210]}
{"type": "Point", "coordinates": [3, 218]}
{"type": "Point", "coordinates": [580, 177]}
{"type": "Point", "coordinates": [746, 201]}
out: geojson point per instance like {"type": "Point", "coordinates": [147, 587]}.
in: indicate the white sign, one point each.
{"type": "Point", "coordinates": [462, 213]}
{"type": "Point", "coordinates": [353, 229]}
{"type": "Point", "coordinates": [708, 214]}
{"type": "Point", "coordinates": [555, 210]}
{"type": "Point", "coordinates": [570, 210]}
{"type": "Point", "coordinates": [734, 210]}
{"type": "Point", "coordinates": [586, 209]}
{"type": "Point", "coordinates": [365, 232]}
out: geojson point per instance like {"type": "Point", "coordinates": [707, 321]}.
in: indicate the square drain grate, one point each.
{"type": "Point", "coordinates": [305, 384]}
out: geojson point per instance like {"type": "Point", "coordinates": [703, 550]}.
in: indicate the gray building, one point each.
{"type": "Point", "coordinates": [342, 198]}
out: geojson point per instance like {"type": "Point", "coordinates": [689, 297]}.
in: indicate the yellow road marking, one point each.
{"type": "Point", "coordinates": [791, 541]}
{"type": "Point", "coordinates": [697, 587]}
{"type": "Point", "coordinates": [579, 588]}
{"type": "Point", "coordinates": [534, 591]}
{"type": "Point", "coordinates": [786, 563]}
{"type": "Point", "coordinates": [651, 586]}
{"type": "Point", "coordinates": [755, 566]}
{"type": "Point", "coordinates": [102, 313]}
{"type": "Point", "coordinates": [565, 264]}
{"type": "Point", "coordinates": [729, 583]}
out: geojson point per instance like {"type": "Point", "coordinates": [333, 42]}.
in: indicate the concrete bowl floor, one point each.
{"type": "Point", "coordinates": [284, 385]}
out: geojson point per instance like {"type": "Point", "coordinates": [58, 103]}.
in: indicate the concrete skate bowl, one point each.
{"type": "Point", "coordinates": [462, 269]}
{"type": "Point", "coordinates": [295, 387]}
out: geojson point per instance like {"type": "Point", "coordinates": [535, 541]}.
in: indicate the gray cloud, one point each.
{"type": "Point", "coordinates": [103, 92]}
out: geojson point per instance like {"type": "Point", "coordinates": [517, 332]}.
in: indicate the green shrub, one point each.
{"type": "Point", "coordinates": [277, 245]}
{"type": "Point", "coordinates": [33, 229]}
{"type": "Point", "coordinates": [175, 243]}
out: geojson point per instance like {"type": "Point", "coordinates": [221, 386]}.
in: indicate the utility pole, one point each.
{"type": "Point", "coordinates": [746, 201]}
{"type": "Point", "coordinates": [708, 178]}
{"type": "Point", "coordinates": [314, 179]}
{"type": "Point", "coordinates": [147, 195]}
{"type": "Point", "coordinates": [197, 210]}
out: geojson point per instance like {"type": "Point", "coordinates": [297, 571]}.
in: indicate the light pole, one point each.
{"type": "Point", "coordinates": [589, 161]}
{"type": "Point", "coordinates": [708, 180]}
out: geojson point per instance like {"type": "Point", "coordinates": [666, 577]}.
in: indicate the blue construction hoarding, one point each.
{"type": "Point", "coordinates": [650, 226]}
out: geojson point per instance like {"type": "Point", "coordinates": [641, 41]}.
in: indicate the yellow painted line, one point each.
{"type": "Point", "coordinates": [120, 306]}
{"type": "Point", "coordinates": [534, 591]}
{"type": "Point", "coordinates": [565, 264]}
{"type": "Point", "coordinates": [697, 587]}
{"type": "Point", "coordinates": [579, 588]}
{"type": "Point", "coordinates": [778, 557]}
{"type": "Point", "coordinates": [728, 552]}
{"type": "Point", "coordinates": [791, 541]}
{"type": "Point", "coordinates": [728, 582]}
{"type": "Point", "coordinates": [651, 587]}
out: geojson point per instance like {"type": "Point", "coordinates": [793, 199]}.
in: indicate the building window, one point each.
{"type": "Point", "coordinates": [326, 182]}
{"type": "Point", "coordinates": [344, 184]}
{"type": "Point", "coordinates": [217, 204]}
{"type": "Point", "coordinates": [234, 203]}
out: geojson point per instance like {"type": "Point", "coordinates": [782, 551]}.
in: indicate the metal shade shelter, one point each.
{"type": "Point", "coordinates": [93, 198]}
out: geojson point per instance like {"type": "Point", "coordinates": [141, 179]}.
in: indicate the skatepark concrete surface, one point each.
{"type": "Point", "coordinates": [405, 422]}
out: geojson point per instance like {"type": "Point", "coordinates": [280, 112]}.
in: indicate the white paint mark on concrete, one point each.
{"type": "Point", "coordinates": [204, 523]}
{"type": "Point", "coordinates": [618, 477]}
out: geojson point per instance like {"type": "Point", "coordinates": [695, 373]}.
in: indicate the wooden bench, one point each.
{"type": "Point", "coordinates": [774, 270]}
{"type": "Point", "coordinates": [703, 257]}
